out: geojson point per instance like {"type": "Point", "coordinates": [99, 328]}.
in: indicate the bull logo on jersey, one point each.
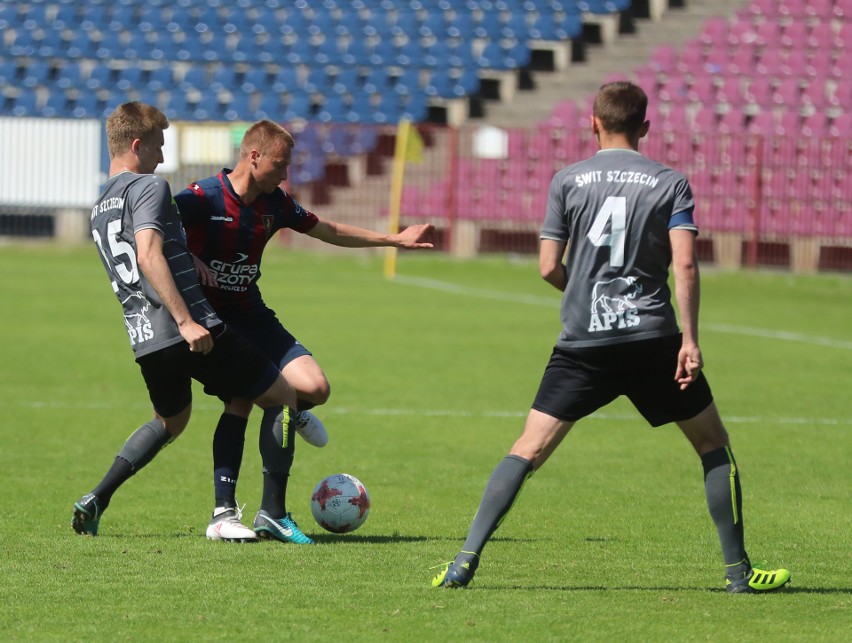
{"type": "Point", "coordinates": [139, 327]}
{"type": "Point", "coordinates": [613, 304]}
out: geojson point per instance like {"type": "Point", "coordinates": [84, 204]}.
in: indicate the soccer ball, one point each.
{"type": "Point", "coordinates": [340, 503]}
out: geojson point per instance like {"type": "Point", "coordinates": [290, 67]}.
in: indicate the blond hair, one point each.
{"type": "Point", "coordinates": [264, 136]}
{"type": "Point", "coordinates": [130, 121]}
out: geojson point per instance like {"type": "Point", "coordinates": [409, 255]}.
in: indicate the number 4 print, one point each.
{"type": "Point", "coordinates": [615, 209]}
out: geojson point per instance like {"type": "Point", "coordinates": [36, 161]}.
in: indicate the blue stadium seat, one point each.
{"type": "Point", "coordinates": [376, 81]}
{"type": "Point", "coordinates": [225, 78]}
{"type": "Point", "coordinates": [57, 105]}
{"type": "Point", "coordinates": [285, 80]}
{"type": "Point", "coordinates": [25, 44]}
{"type": "Point", "coordinates": [130, 78]}
{"type": "Point", "coordinates": [110, 46]}
{"type": "Point", "coordinates": [256, 79]}
{"type": "Point", "coordinates": [333, 110]}
{"type": "Point", "coordinates": [101, 77]}
{"type": "Point", "coordinates": [38, 73]}
{"type": "Point", "coordinates": [299, 106]}
{"type": "Point", "coordinates": [25, 104]}
{"type": "Point", "coordinates": [69, 76]}
{"type": "Point", "coordinates": [239, 108]}
{"type": "Point", "coordinates": [194, 78]}
{"type": "Point", "coordinates": [8, 73]}
{"type": "Point", "coordinates": [80, 45]}
{"type": "Point", "coordinates": [160, 79]}
{"type": "Point", "coordinates": [347, 80]}
{"type": "Point", "coordinates": [269, 107]}
{"type": "Point", "coordinates": [88, 105]}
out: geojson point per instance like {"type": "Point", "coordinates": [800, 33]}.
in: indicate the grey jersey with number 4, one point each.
{"type": "Point", "coordinates": [130, 203]}
{"type": "Point", "coordinates": [616, 209]}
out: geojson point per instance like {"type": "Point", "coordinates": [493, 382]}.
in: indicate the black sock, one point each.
{"type": "Point", "coordinates": [724, 499]}
{"type": "Point", "coordinates": [277, 450]}
{"type": "Point", "coordinates": [140, 448]}
{"type": "Point", "coordinates": [500, 493]}
{"type": "Point", "coordinates": [228, 442]}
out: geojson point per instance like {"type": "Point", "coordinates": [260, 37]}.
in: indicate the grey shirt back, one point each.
{"type": "Point", "coordinates": [616, 209]}
{"type": "Point", "coordinates": [129, 203]}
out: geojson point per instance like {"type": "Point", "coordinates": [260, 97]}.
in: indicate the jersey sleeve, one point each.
{"type": "Point", "coordinates": [295, 216]}
{"type": "Point", "coordinates": [152, 206]}
{"type": "Point", "coordinates": [555, 225]}
{"type": "Point", "coordinates": [683, 207]}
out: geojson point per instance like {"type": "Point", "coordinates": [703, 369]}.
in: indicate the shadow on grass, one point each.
{"type": "Point", "coordinates": [628, 588]}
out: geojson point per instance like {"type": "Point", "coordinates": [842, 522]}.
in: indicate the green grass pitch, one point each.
{"type": "Point", "coordinates": [432, 375]}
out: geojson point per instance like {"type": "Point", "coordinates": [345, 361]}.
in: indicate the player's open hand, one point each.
{"type": "Point", "coordinates": [689, 365]}
{"type": "Point", "coordinates": [206, 277]}
{"type": "Point", "coordinates": [416, 236]}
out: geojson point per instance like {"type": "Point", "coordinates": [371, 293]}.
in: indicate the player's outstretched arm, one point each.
{"type": "Point", "coordinates": [153, 264]}
{"type": "Point", "coordinates": [349, 236]}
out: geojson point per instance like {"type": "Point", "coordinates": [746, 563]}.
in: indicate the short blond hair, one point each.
{"type": "Point", "coordinates": [130, 121]}
{"type": "Point", "coordinates": [264, 136]}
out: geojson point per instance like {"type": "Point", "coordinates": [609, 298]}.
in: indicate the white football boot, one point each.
{"type": "Point", "coordinates": [311, 429]}
{"type": "Point", "coordinates": [225, 525]}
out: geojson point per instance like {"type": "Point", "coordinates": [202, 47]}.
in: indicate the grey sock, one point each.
{"type": "Point", "coordinates": [500, 493]}
{"type": "Point", "coordinates": [724, 499]}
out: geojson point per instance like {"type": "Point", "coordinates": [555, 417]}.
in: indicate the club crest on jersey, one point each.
{"type": "Point", "coordinates": [268, 220]}
{"type": "Point", "coordinates": [612, 304]}
{"type": "Point", "coordinates": [139, 327]}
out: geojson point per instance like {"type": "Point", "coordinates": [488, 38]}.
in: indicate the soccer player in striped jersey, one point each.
{"type": "Point", "coordinates": [627, 219]}
{"type": "Point", "coordinates": [173, 330]}
{"type": "Point", "coordinates": [229, 219]}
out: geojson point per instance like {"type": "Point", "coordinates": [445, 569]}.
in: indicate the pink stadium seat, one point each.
{"type": "Point", "coordinates": [730, 92]}
{"type": "Point", "coordinates": [815, 125]}
{"type": "Point", "coordinates": [814, 95]}
{"type": "Point", "coordinates": [787, 94]}
{"type": "Point", "coordinates": [732, 122]}
{"type": "Point", "coordinates": [675, 120]}
{"type": "Point", "coordinates": [772, 63]}
{"type": "Point", "coordinates": [764, 8]}
{"type": "Point", "coordinates": [714, 32]}
{"type": "Point", "coordinates": [702, 91]}
{"type": "Point", "coordinates": [759, 91]}
{"type": "Point", "coordinates": [841, 126]}
{"type": "Point", "coordinates": [824, 65]}
{"type": "Point", "coordinates": [654, 147]}
{"type": "Point", "coordinates": [762, 123]}
{"type": "Point", "coordinates": [691, 58]}
{"type": "Point", "coordinates": [742, 33]}
{"type": "Point", "coordinates": [789, 123]}
{"type": "Point", "coordinates": [795, 35]}
{"type": "Point", "coordinates": [664, 58]}
{"type": "Point", "coordinates": [705, 119]}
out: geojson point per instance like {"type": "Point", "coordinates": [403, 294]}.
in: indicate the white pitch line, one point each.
{"type": "Point", "coordinates": [463, 413]}
{"type": "Point", "coordinates": [553, 302]}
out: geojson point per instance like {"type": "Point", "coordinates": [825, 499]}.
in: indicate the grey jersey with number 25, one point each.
{"type": "Point", "coordinates": [130, 203]}
{"type": "Point", "coordinates": [616, 209]}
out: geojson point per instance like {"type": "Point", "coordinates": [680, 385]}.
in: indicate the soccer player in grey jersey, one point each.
{"type": "Point", "coordinates": [627, 219]}
{"type": "Point", "coordinates": [174, 332]}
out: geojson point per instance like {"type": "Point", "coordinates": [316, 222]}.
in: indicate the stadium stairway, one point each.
{"type": "Point", "coordinates": [579, 80]}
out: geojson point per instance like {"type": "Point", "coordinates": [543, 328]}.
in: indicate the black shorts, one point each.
{"type": "Point", "coordinates": [234, 368]}
{"type": "Point", "coordinates": [578, 382]}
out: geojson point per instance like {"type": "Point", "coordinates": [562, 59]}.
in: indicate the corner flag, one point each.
{"type": "Point", "coordinates": [409, 148]}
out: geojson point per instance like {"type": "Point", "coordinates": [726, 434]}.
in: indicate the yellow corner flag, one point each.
{"type": "Point", "coordinates": [409, 147]}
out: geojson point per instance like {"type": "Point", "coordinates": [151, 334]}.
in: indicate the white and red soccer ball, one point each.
{"type": "Point", "coordinates": [340, 503]}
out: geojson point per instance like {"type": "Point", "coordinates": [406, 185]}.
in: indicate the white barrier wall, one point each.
{"type": "Point", "coordinates": [50, 162]}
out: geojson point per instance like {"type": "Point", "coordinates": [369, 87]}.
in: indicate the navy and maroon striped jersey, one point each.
{"type": "Point", "coordinates": [229, 236]}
